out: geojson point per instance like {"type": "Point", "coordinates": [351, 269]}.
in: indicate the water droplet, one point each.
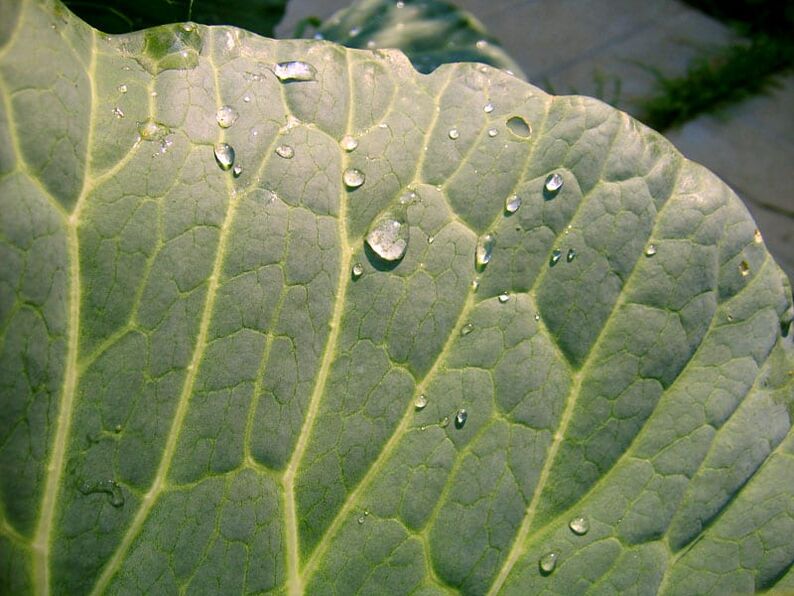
{"type": "Point", "coordinates": [319, 36]}
{"type": "Point", "coordinates": [519, 127]}
{"type": "Point", "coordinates": [454, 133]}
{"type": "Point", "coordinates": [571, 255]}
{"type": "Point", "coordinates": [400, 4]}
{"type": "Point", "coordinates": [537, 317]}
{"type": "Point", "coordinates": [122, 88]}
{"type": "Point", "coordinates": [348, 143]}
{"type": "Point", "coordinates": [360, 519]}
{"type": "Point", "coordinates": [110, 487]}
{"type": "Point", "coordinates": [224, 154]}
{"type": "Point", "coordinates": [117, 428]}
{"type": "Point", "coordinates": [556, 254]}
{"type": "Point", "coordinates": [358, 270]}
{"type": "Point", "coordinates": [285, 151]}
{"type": "Point", "coordinates": [353, 178]}
{"type": "Point", "coordinates": [461, 417]}
{"type": "Point", "coordinates": [548, 562]}
{"type": "Point", "coordinates": [388, 238]}
{"type": "Point", "coordinates": [504, 297]}
{"type": "Point", "coordinates": [118, 112]}
{"type": "Point", "coordinates": [407, 198]}
{"type": "Point", "coordinates": [492, 132]}
{"type": "Point", "coordinates": [246, 98]}
{"type": "Point", "coordinates": [152, 131]}
{"type": "Point", "coordinates": [757, 237]}
{"type": "Point", "coordinates": [371, 45]}
{"type": "Point", "coordinates": [420, 402]}
{"type": "Point", "coordinates": [481, 44]}
{"type": "Point", "coordinates": [466, 329]}
{"type": "Point", "coordinates": [294, 70]}
{"type": "Point", "coordinates": [355, 31]}
{"type": "Point", "coordinates": [651, 250]}
{"type": "Point", "coordinates": [170, 47]}
{"type": "Point", "coordinates": [475, 284]}
{"type": "Point", "coordinates": [484, 250]}
{"type": "Point", "coordinates": [444, 422]}
{"type": "Point", "coordinates": [237, 170]}
{"type": "Point", "coordinates": [512, 203]}
{"type": "Point", "coordinates": [226, 116]}
{"type": "Point", "coordinates": [579, 525]}
{"type": "Point", "coordinates": [431, 239]}
{"type": "Point", "coordinates": [488, 108]}
{"type": "Point", "coordinates": [553, 183]}
{"type": "Point", "coordinates": [744, 268]}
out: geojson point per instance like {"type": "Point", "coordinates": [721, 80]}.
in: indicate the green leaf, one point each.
{"type": "Point", "coordinates": [430, 32]}
{"type": "Point", "coordinates": [202, 392]}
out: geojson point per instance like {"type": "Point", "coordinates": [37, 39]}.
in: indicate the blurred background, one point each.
{"type": "Point", "coordinates": [716, 77]}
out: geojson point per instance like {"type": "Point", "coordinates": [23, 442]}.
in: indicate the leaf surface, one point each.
{"type": "Point", "coordinates": [200, 394]}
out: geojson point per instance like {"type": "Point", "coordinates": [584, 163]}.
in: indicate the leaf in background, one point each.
{"type": "Point", "coordinates": [429, 32]}
{"type": "Point", "coordinates": [333, 326]}
{"type": "Point", "coordinates": [124, 16]}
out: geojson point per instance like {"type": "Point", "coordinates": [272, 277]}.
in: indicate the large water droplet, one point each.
{"type": "Point", "coordinates": [353, 178]}
{"type": "Point", "coordinates": [519, 127]}
{"type": "Point", "coordinates": [226, 116]}
{"type": "Point", "coordinates": [484, 250]}
{"type": "Point", "coordinates": [466, 329]}
{"type": "Point", "coordinates": [348, 143]}
{"type": "Point", "coordinates": [224, 155]}
{"type": "Point", "coordinates": [170, 47]}
{"type": "Point", "coordinates": [358, 270]}
{"type": "Point", "coordinates": [571, 255]}
{"type": "Point", "coordinates": [110, 487]}
{"type": "Point", "coordinates": [454, 134]}
{"type": "Point", "coordinates": [420, 402]}
{"type": "Point", "coordinates": [285, 151]}
{"type": "Point", "coordinates": [512, 203]}
{"type": "Point", "coordinates": [388, 238]}
{"type": "Point", "coordinates": [548, 562]}
{"type": "Point", "coordinates": [294, 70]}
{"type": "Point", "coordinates": [651, 250]}
{"type": "Point", "coordinates": [553, 183]}
{"type": "Point", "coordinates": [556, 254]}
{"type": "Point", "coordinates": [461, 417]}
{"type": "Point", "coordinates": [579, 525]}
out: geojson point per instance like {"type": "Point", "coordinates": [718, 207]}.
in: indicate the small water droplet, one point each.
{"type": "Point", "coordinates": [388, 238]}
{"type": "Point", "coordinates": [431, 239]}
{"type": "Point", "coordinates": [571, 255]}
{"type": "Point", "coordinates": [466, 329]}
{"type": "Point", "coordinates": [481, 44]}
{"type": "Point", "coordinates": [353, 178]}
{"type": "Point", "coordinates": [117, 428]}
{"type": "Point", "coordinates": [226, 116]}
{"type": "Point", "coordinates": [757, 237]}
{"type": "Point", "coordinates": [294, 70]}
{"type": "Point", "coordinates": [224, 154]}
{"type": "Point", "coordinates": [348, 143]}
{"type": "Point", "coordinates": [399, 4]}
{"type": "Point", "coordinates": [556, 254]}
{"type": "Point", "coordinates": [454, 134]}
{"type": "Point", "coordinates": [443, 422]}
{"type": "Point", "coordinates": [744, 268]}
{"type": "Point", "coordinates": [537, 317]}
{"type": "Point", "coordinates": [420, 402]}
{"type": "Point", "coordinates": [579, 525]}
{"type": "Point", "coordinates": [504, 297]}
{"type": "Point", "coordinates": [371, 45]}
{"type": "Point", "coordinates": [492, 132]}
{"type": "Point", "coordinates": [122, 88]}
{"type": "Point", "coordinates": [360, 519]}
{"type": "Point", "coordinates": [519, 127]}
{"type": "Point", "coordinates": [319, 36]}
{"type": "Point", "coordinates": [460, 418]}
{"type": "Point", "coordinates": [548, 562]}
{"type": "Point", "coordinates": [512, 203]}
{"type": "Point", "coordinates": [246, 98]}
{"type": "Point", "coordinates": [553, 183]}
{"type": "Point", "coordinates": [237, 170]}
{"type": "Point", "coordinates": [651, 250]}
{"type": "Point", "coordinates": [484, 251]}
{"type": "Point", "coordinates": [110, 487]}
{"type": "Point", "coordinates": [355, 31]}
{"type": "Point", "coordinates": [488, 108]}
{"type": "Point", "coordinates": [118, 112]}
{"type": "Point", "coordinates": [407, 198]}
{"type": "Point", "coordinates": [358, 270]}
{"type": "Point", "coordinates": [285, 151]}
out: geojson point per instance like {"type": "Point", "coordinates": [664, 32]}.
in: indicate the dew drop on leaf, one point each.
{"type": "Point", "coordinates": [579, 525]}
{"type": "Point", "coordinates": [294, 70]}
{"type": "Point", "coordinates": [118, 112]}
{"type": "Point", "coordinates": [556, 254]}
{"type": "Point", "coordinates": [388, 238]}
{"type": "Point", "coordinates": [110, 487]}
{"type": "Point", "coordinates": [358, 270]}
{"type": "Point", "coordinates": [444, 422]}
{"type": "Point", "coordinates": [348, 143]}
{"type": "Point", "coordinates": [553, 183]}
{"type": "Point", "coordinates": [512, 203]}
{"type": "Point", "coordinates": [744, 268]}
{"type": "Point", "coordinates": [504, 297]}
{"type": "Point", "coordinates": [420, 402]}
{"type": "Point", "coordinates": [285, 151]}
{"type": "Point", "coordinates": [651, 250]}
{"type": "Point", "coordinates": [237, 170]}
{"type": "Point", "coordinates": [488, 108]}
{"type": "Point", "coordinates": [475, 284]}
{"type": "Point", "coordinates": [122, 88]}
{"type": "Point", "coordinates": [460, 418]}
{"type": "Point", "coordinates": [519, 127]}
{"type": "Point", "coordinates": [757, 237]}
{"type": "Point", "coordinates": [492, 132]}
{"type": "Point", "coordinates": [224, 155]}
{"type": "Point", "coordinates": [226, 116]}
{"type": "Point", "coordinates": [548, 562]}
{"type": "Point", "coordinates": [454, 134]}
{"type": "Point", "coordinates": [484, 250]}
{"type": "Point", "coordinates": [353, 178]}
{"type": "Point", "coordinates": [571, 255]}
{"type": "Point", "coordinates": [466, 329]}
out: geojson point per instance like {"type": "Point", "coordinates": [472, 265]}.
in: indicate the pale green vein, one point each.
{"type": "Point", "coordinates": [159, 483]}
